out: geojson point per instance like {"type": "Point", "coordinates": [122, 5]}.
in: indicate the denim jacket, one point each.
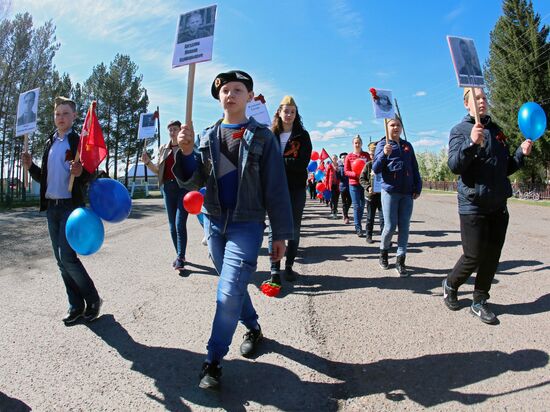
{"type": "Point", "coordinates": [262, 179]}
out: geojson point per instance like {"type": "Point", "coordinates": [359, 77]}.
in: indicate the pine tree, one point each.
{"type": "Point", "coordinates": [518, 71]}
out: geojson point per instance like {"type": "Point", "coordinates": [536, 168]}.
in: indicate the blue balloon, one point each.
{"type": "Point", "coordinates": [327, 194]}
{"type": "Point", "coordinates": [202, 191]}
{"type": "Point", "coordinates": [84, 231]}
{"type": "Point", "coordinates": [312, 166]}
{"type": "Point", "coordinates": [531, 120]}
{"type": "Point", "coordinates": [200, 216]}
{"type": "Point", "coordinates": [110, 200]}
{"type": "Point", "coordinates": [319, 175]}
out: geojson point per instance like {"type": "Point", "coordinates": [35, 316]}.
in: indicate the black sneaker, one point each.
{"type": "Point", "coordinates": [73, 315]}
{"type": "Point", "coordinates": [250, 342]}
{"type": "Point", "coordinates": [400, 266]}
{"type": "Point", "coordinates": [276, 278]}
{"type": "Point", "coordinates": [290, 275]}
{"type": "Point", "coordinates": [450, 296]}
{"type": "Point", "coordinates": [210, 375]}
{"type": "Point", "coordinates": [383, 260]}
{"type": "Point", "coordinates": [360, 233]}
{"type": "Point", "coordinates": [369, 239]}
{"type": "Point", "coordinates": [482, 311]}
{"type": "Point", "coordinates": [179, 264]}
{"type": "Point", "coordinates": [92, 311]}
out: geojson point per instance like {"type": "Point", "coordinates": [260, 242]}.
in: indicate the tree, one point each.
{"type": "Point", "coordinates": [518, 71]}
{"type": "Point", "coordinates": [26, 63]}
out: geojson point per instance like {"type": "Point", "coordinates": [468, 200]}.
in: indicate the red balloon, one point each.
{"type": "Point", "coordinates": [320, 187]}
{"type": "Point", "coordinates": [192, 202]}
{"type": "Point", "coordinates": [319, 195]}
{"type": "Point", "coordinates": [358, 165]}
{"type": "Point", "coordinates": [314, 155]}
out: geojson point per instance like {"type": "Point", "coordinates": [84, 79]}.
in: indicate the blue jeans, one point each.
{"type": "Point", "coordinates": [79, 285]}
{"type": "Point", "coordinates": [234, 249]}
{"type": "Point", "coordinates": [177, 215]}
{"type": "Point", "coordinates": [397, 209]}
{"type": "Point", "coordinates": [297, 202]}
{"type": "Point", "coordinates": [358, 200]}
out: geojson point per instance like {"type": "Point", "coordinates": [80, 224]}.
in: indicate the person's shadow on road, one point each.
{"type": "Point", "coordinates": [428, 380]}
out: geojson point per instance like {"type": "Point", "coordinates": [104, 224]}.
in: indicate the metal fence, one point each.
{"type": "Point", "coordinates": [521, 190]}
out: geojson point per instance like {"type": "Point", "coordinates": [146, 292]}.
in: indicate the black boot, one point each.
{"type": "Point", "coordinates": [400, 266]}
{"type": "Point", "coordinates": [383, 260]}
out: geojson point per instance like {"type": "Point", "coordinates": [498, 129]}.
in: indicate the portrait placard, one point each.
{"type": "Point", "coordinates": [27, 107]}
{"type": "Point", "coordinates": [382, 104]}
{"type": "Point", "coordinates": [465, 61]}
{"type": "Point", "coordinates": [147, 126]}
{"type": "Point", "coordinates": [194, 37]}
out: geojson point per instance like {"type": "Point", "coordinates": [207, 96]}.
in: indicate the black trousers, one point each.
{"type": "Point", "coordinates": [298, 202]}
{"type": "Point", "coordinates": [374, 203]}
{"type": "Point", "coordinates": [334, 195]}
{"type": "Point", "coordinates": [482, 240]}
{"type": "Point", "coordinates": [346, 202]}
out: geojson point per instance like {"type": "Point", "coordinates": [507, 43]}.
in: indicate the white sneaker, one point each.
{"type": "Point", "coordinates": [204, 242]}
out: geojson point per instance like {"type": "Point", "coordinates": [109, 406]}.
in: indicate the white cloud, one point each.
{"type": "Point", "coordinates": [420, 93]}
{"type": "Point", "coordinates": [318, 136]}
{"type": "Point", "coordinates": [382, 74]}
{"type": "Point", "coordinates": [426, 133]}
{"type": "Point", "coordinates": [427, 143]}
{"type": "Point", "coordinates": [349, 23]}
{"type": "Point", "coordinates": [377, 122]}
{"type": "Point", "coordinates": [346, 124]}
{"type": "Point", "coordinates": [453, 14]}
{"type": "Point", "coordinates": [328, 123]}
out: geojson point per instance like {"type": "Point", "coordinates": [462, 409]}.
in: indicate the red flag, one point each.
{"type": "Point", "coordinates": [324, 155]}
{"type": "Point", "coordinates": [92, 145]}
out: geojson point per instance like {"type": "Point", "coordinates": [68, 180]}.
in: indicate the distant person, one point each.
{"type": "Point", "coordinates": [483, 190]}
{"type": "Point", "coordinates": [28, 115]}
{"type": "Point", "coordinates": [344, 187]}
{"type": "Point", "coordinates": [296, 149]}
{"type": "Point", "coordinates": [193, 28]}
{"type": "Point", "coordinates": [311, 186]}
{"type": "Point", "coordinates": [470, 65]}
{"type": "Point", "coordinates": [240, 162]}
{"type": "Point", "coordinates": [401, 185]}
{"type": "Point", "coordinates": [53, 175]}
{"type": "Point", "coordinates": [333, 184]}
{"type": "Point", "coordinates": [372, 183]}
{"type": "Point", "coordinates": [171, 193]}
{"type": "Point", "coordinates": [356, 190]}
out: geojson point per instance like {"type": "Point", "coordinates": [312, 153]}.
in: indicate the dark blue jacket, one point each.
{"type": "Point", "coordinates": [483, 185]}
{"type": "Point", "coordinates": [344, 180]}
{"type": "Point", "coordinates": [399, 170]}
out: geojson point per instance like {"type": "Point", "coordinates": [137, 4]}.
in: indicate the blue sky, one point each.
{"type": "Point", "coordinates": [326, 53]}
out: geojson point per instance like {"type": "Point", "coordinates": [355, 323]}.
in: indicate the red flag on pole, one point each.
{"type": "Point", "coordinates": [92, 145]}
{"type": "Point", "coordinates": [324, 155]}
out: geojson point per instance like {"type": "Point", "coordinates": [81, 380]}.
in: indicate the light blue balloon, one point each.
{"type": "Point", "coordinates": [319, 175]}
{"type": "Point", "coordinates": [312, 166]}
{"type": "Point", "coordinates": [200, 216]}
{"type": "Point", "coordinates": [531, 120]}
{"type": "Point", "coordinates": [84, 231]}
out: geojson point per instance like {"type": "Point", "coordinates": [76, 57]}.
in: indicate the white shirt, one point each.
{"type": "Point", "coordinates": [284, 139]}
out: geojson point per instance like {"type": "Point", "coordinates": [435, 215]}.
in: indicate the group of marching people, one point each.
{"type": "Point", "coordinates": [242, 164]}
{"type": "Point", "coordinates": [389, 182]}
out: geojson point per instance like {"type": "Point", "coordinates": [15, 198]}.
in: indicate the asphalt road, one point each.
{"type": "Point", "coordinates": [346, 336]}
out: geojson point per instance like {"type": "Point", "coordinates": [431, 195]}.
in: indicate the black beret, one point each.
{"type": "Point", "coordinates": [174, 123]}
{"type": "Point", "coordinates": [231, 76]}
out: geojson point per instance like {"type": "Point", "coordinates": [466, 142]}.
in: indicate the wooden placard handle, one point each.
{"type": "Point", "coordinates": [190, 87]}
{"type": "Point", "coordinates": [476, 110]}
{"type": "Point", "coordinates": [71, 180]}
